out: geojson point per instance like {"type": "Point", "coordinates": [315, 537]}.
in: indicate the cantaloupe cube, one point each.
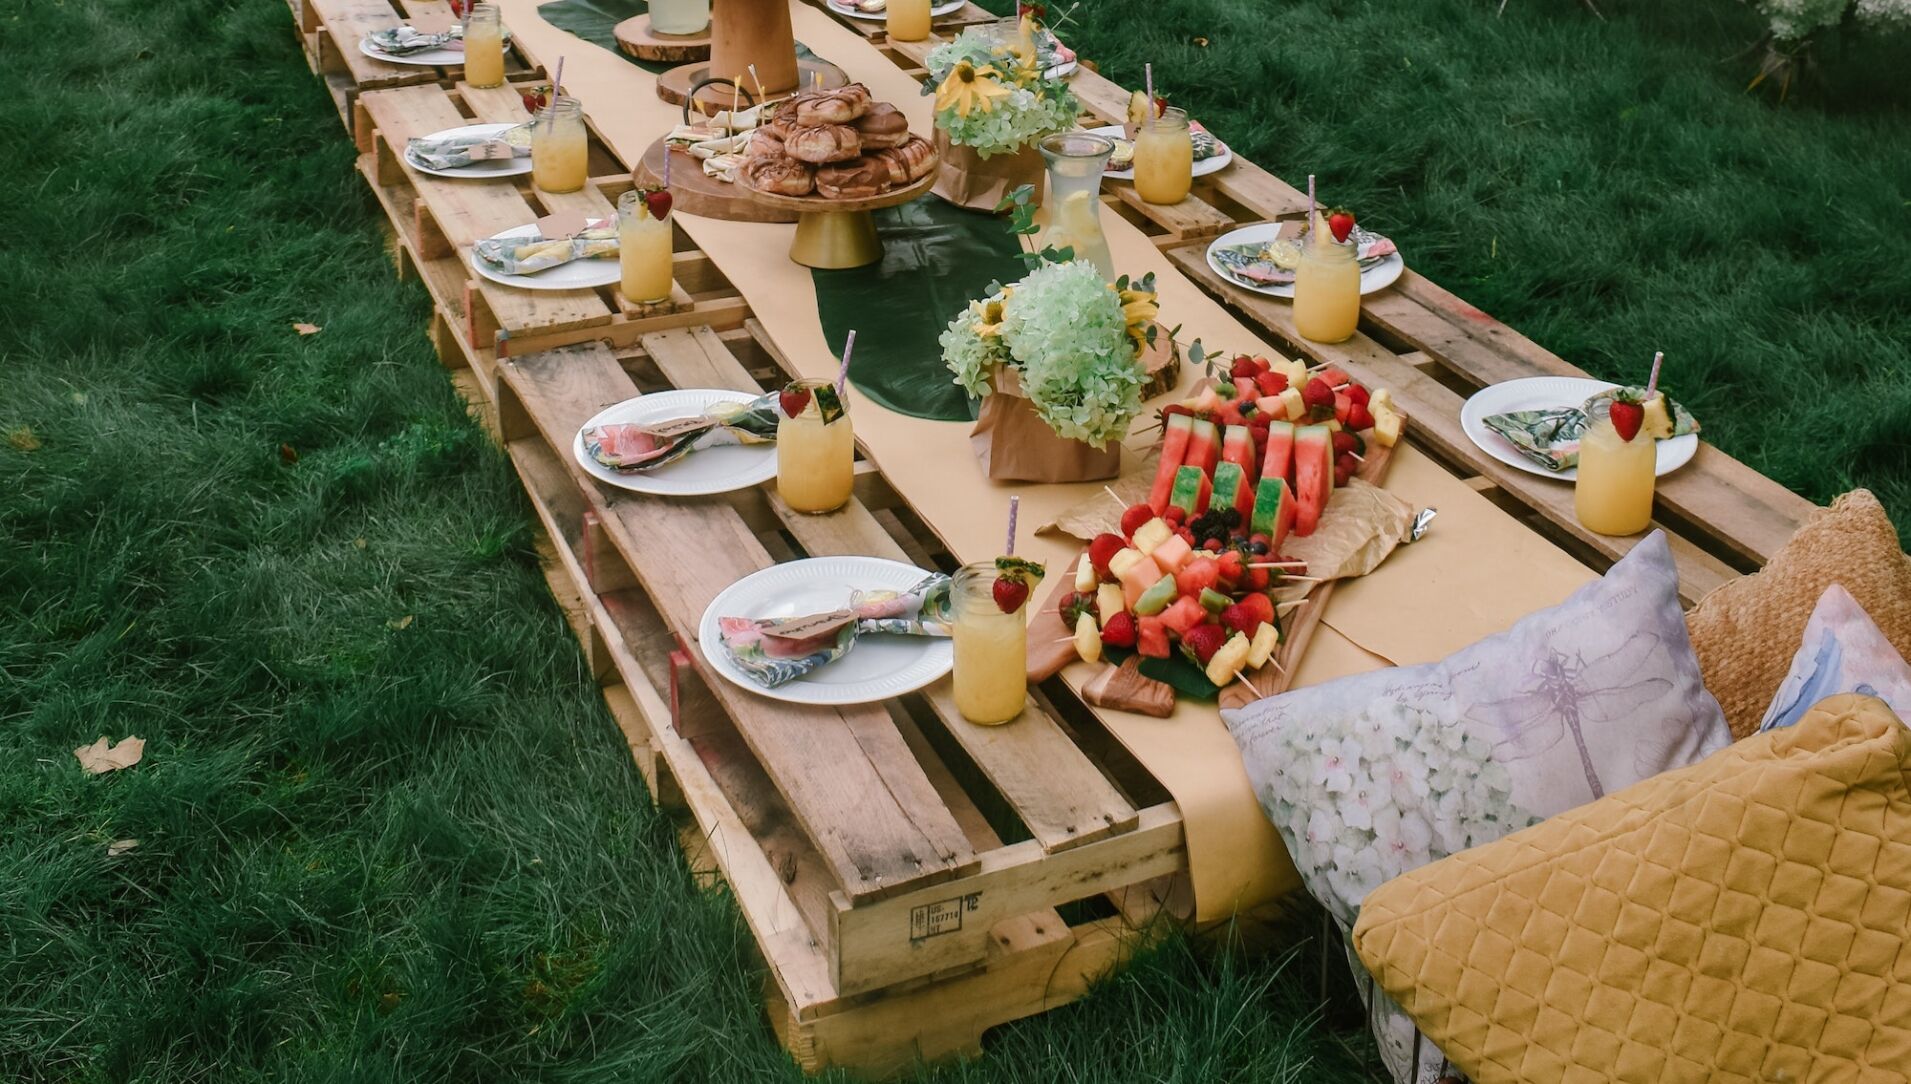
{"type": "Point", "coordinates": [1172, 554]}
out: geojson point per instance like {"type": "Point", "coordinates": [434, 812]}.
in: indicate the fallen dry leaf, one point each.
{"type": "Point", "coordinates": [307, 329]}
{"type": "Point", "coordinates": [104, 756]}
{"type": "Point", "coordinates": [360, 542]}
{"type": "Point", "coordinates": [1198, 42]}
{"type": "Point", "coordinates": [288, 454]}
{"type": "Point", "coordinates": [23, 439]}
{"type": "Point", "coordinates": [399, 624]}
{"type": "Point", "coordinates": [120, 846]}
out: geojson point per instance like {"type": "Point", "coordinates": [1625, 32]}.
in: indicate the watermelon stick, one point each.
{"type": "Point", "coordinates": [842, 373]}
{"type": "Point", "coordinates": [1652, 384]}
{"type": "Point", "coordinates": [1015, 505]}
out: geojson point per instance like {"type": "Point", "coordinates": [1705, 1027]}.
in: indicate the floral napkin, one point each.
{"type": "Point", "coordinates": [405, 40]}
{"type": "Point", "coordinates": [1550, 437]}
{"type": "Point", "coordinates": [530, 255]}
{"type": "Point", "coordinates": [776, 651]}
{"type": "Point", "coordinates": [1273, 263]}
{"type": "Point", "coordinates": [453, 152]}
{"type": "Point", "coordinates": [640, 446]}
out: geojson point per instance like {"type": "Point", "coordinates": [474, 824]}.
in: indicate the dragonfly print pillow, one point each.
{"type": "Point", "coordinates": [1377, 774]}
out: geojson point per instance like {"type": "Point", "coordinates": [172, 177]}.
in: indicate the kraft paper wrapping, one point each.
{"type": "Point", "coordinates": [1428, 599]}
{"type": "Point", "coordinates": [1014, 444]}
{"type": "Point", "coordinates": [967, 179]}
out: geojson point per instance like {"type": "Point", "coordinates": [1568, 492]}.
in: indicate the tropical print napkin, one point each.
{"type": "Point", "coordinates": [631, 447]}
{"type": "Point", "coordinates": [454, 152]}
{"type": "Point", "coordinates": [530, 255]}
{"type": "Point", "coordinates": [776, 651]}
{"type": "Point", "coordinates": [1550, 437]}
{"type": "Point", "coordinates": [405, 40]}
{"type": "Point", "coordinates": [1273, 263]}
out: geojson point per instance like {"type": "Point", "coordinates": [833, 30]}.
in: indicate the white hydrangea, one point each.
{"type": "Point", "coordinates": [1793, 21]}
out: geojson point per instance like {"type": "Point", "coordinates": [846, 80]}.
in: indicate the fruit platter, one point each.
{"type": "Point", "coordinates": [1196, 581]}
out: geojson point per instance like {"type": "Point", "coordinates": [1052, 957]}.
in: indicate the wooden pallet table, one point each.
{"type": "Point", "coordinates": [969, 14]}
{"type": "Point", "coordinates": [329, 33]}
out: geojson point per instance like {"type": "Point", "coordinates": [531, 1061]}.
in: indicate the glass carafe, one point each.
{"type": "Point", "coordinates": [1073, 201]}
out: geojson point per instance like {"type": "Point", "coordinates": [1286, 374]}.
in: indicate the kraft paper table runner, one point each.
{"type": "Point", "coordinates": [1235, 857]}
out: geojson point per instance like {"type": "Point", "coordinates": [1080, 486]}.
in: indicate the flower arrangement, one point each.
{"type": "Point", "coordinates": [993, 97]}
{"type": "Point", "coordinates": [1791, 26]}
{"type": "Point", "coordinates": [1074, 340]}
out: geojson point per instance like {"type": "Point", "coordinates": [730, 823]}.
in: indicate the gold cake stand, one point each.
{"type": "Point", "coordinates": [838, 233]}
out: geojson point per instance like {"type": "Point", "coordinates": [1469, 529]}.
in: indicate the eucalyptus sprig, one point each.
{"type": "Point", "coordinates": [1020, 204]}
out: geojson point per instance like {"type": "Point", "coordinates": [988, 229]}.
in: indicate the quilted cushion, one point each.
{"type": "Point", "coordinates": [1739, 920]}
{"type": "Point", "coordinates": [1745, 631]}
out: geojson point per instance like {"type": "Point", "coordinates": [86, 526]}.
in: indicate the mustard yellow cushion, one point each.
{"type": "Point", "coordinates": [1742, 919]}
{"type": "Point", "coordinates": [1745, 631]}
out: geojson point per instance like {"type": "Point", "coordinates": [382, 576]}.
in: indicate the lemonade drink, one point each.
{"type": "Point", "coordinates": [816, 451]}
{"type": "Point", "coordinates": [908, 20]}
{"type": "Point", "coordinates": [1613, 495]}
{"type": "Point", "coordinates": [1327, 289]}
{"type": "Point", "coordinates": [1164, 158]}
{"type": "Point", "coordinates": [1078, 226]}
{"type": "Point", "coordinates": [559, 146]}
{"type": "Point", "coordinates": [484, 47]}
{"type": "Point", "coordinates": [991, 649]}
{"type": "Point", "coordinates": [1076, 161]}
{"type": "Point", "coordinates": [643, 250]}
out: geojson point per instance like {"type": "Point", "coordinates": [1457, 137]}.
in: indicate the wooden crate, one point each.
{"type": "Point", "coordinates": [329, 32]}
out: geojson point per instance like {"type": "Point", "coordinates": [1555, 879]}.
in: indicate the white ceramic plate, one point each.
{"type": "Point", "coordinates": [1372, 279]}
{"type": "Point", "coordinates": [1545, 392]}
{"type": "Point", "coordinates": [1201, 169]}
{"type": "Point", "coordinates": [946, 7]}
{"type": "Point", "coordinates": [496, 167]}
{"type": "Point", "coordinates": [576, 275]}
{"type": "Point", "coordinates": [711, 470]}
{"type": "Point", "coordinates": [430, 58]}
{"type": "Point", "coordinates": [878, 668]}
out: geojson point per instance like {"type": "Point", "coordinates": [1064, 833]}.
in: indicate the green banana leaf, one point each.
{"type": "Point", "coordinates": [936, 259]}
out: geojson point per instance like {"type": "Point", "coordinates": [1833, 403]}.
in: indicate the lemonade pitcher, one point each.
{"type": "Point", "coordinates": [1073, 202]}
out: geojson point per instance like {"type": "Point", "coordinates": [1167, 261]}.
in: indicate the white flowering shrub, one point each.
{"type": "Point", "coordinates": [1793, 21]}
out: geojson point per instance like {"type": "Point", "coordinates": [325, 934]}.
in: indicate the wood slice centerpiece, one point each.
{"type": "Point", "coordinates": [838, 233]}
{"type": "Point", "coordinates": [695, 192]}
{"type": "Point", "coordinates": [636, 37]}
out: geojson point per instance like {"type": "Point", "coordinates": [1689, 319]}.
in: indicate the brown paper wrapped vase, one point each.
{"type": "Point", "coordinates": [969, 180]}
{"type": "Point", "coordinates": [1014, 444]}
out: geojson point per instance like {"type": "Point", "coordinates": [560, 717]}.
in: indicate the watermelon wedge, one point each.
{"type": "Point", "coordinates": [1174, 445]}
{"type": "Point", "coordinates": [1230, 482]}
{"type": "Point", "coordinates": [1279, 461]}
{"type": "Point", "coordinates": [1190, 490]}
{"type": "Point", "coordinates": [1237, 447]}
{"type": "Point", "coordinates": [1313, 476]}
{"type": "Point", "coordinates": [1274, 510]}
{"type": "Point", "coordinates": [1204, 447]}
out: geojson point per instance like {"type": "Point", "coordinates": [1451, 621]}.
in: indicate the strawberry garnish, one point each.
{"type": "Point", "coordinates": [1134, 517]}
{"type": "Point", "coordinates": [1120, 631]}
{"type": "Point", "coordinates": [1202, 641]}
{"type": "Point", "coordinates": [1341, 223]}
{"type": "Point", "coordinates": [1626, 417]}
{"type": "Point", "coordinates": [1009, 594]}
{"type": "Point", "coordinates": [793, 399]}
{"type": "Point", "coordinates": [1102, 550]}
{"type": "Point", "coordinates": [1012, 576]}
{"type": "Point", "coordinates": [657, 201]}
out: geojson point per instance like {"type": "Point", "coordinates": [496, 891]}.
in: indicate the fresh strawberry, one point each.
{"type": "Point", "coordinates": [1256, 579]}
{"type": "Point", "coordinates": [1346, 441]}
{"type": "Point", "coordinates": [1344, 467]}
{"type": "Point", "coordinates": [1102, 550]}
{"type": "Point", "coordinates": [1318, 394]}
{"type": "Point", "coordinates": [657, 201]}
{"type": "Point", "coordinates": [1134, 517]}
{"type": "Point", "coordinates": [1260, 606]}
{"type": "Point", "coordinates": [1243, 368]}
{"type": "Point", "coordinates": [1239, 618]}
{"type": "Point", "coordinates": [1271, 383]}
{"type": "Point", "coordinates": [1010, 594]}
{"type": "Point", "coordinates": [1341, 222]}
{"type": "Point", "coordinates": [1232, 565]}
{"type": "Point", "coordinates": [1358, 393]}
{"type": "Point", "coordinates": [1120, 630]}
{"type": "Point", "coordinates": [1073, 606]}
{"type": "Point", "coordinates": [1212, 545]}
{"type": "Point", "coordinates": [1358, 417]}
{"type": "Point", "coordinates": [793, 399]}
{"type": "Point", "coordinates": [1177, 408]}
{"type": "Point", "coordinates": [1202, 641]}
{"type": "Point", "coordinates": [1626, 417]}
{"type": "Point", "coordinates": [1174, 514]}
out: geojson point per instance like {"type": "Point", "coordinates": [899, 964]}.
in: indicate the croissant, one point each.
{"type": "Point", "coordinates": [779, 176]}
{"type": "Point", "coordinates": [883, 126]}
{"type": "Point", "coordinates": [839, 106]}
{"type": "Point", "coordinates": [826, 143]}
{"type": "Point", "coordinates": [857, 179]}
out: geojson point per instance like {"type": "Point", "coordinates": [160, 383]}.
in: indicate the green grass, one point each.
{"type": "Point", "coordinates": [379, 850]}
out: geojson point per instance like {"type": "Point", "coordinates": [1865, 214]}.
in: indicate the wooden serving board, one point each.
{"type": "Point", "coordinates": [635, 36]}
{"type": "Point", "coordinates": [1052, 645]}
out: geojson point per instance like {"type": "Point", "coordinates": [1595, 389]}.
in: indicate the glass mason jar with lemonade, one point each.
{"type": "Point", "coordinates": [991, 645]}
{"type": "Point", "coordinates": [1164, 157]}
{"type": "Point", "coordinates": [643, 246]}
{"type": "Point", "coordinates": [559, 146]}
{"type": "Point", "coordinates": [1617, 475]}
{"type": "Point", "coordinates": [815, 447]}
{"type": "Point", "coordinates": [484, 47]}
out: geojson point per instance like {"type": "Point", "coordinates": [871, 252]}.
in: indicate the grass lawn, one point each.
{"type": "Point", "coordinates": [385, 830]}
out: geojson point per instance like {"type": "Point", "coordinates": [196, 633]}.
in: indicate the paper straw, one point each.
{"type": "Point", "coordinates": [1015, 505]}
{"type": "Point", "coordinates": [1652, 385]}
{"type": "Point", "coordinates": [557, 82]}
{"type": "Point", "coordinates": [1310, 202]}
{"type": "Point", "coordinates": [1148, 71]}
{"type": "Point", "coordinates": [842, 373]}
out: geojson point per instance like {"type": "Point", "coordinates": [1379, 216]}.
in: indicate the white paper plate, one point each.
{"type": "Point", "coordinates": [496, 167]}
{"type": "Point", "coordinates": [1201, 169]}
{"type": "Point", "coordinates": [946, 7]}
{"type": "Point", "coordinates": [576, 275]}
{"type": "Point", "coordinates": [878, 668]}
{"type": "Point", "coordinates": [1545, 392]}
{"type": "Point", "coordinates": [429, 58]}
{"type": "Point", "coordinates": [711, 470]}
{"type": "Point", "coordinates": [1372, 279]}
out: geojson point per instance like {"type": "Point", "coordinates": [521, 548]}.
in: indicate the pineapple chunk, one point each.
{"type": "Point", "coordinates": [1386, 427]}
{"type": "Point", "coordinates": [1122, 559]}
{"type": "Point", "coordinates": [1658, 423]}
{"type": "Point", "coordinates": [1296, 406]}
{"type": "Point", "coordinates": [1296, 371]}
{"type": "Point", "coordinates": [1380, 399]}
{"type": "Point", "coordinates": [1151, 534]}
{"type": "Point", "coordinates": [1087, 638]}
{"type": "Point", "coordinates": [1228, 661]}
{"type": "Point", "coordinates": [1109, 601]}
{"type": "Point", "coordinates": [1333, 425]}
{"type": "Point", "coordinates": [1261, 648]}
{"type": "Point", "coordinates": [1085, 578]}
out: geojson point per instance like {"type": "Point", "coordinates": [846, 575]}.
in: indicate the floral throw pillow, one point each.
{"type": "Point", "coordinates": [1843, 651]}
{"type": "Point", "coordinates": [1377, 774]}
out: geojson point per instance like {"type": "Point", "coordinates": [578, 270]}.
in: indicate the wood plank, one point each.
{"type": "Point", "coordinates": [346, 22]}
{"type": "Point", "coordinates": [1191, 218]}
{"type": "Point", "coordinates": [846, 774]}
{"type": "Point", "coordinates": [1435, 410]}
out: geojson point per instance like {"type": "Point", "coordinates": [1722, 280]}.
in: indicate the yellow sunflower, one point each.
{"type": "Point", "coordinates": [988, 314]}
{"type": "Point", "coordinates": [1139, 309]}
{"type": "Point", "coordinates": [969, 87]}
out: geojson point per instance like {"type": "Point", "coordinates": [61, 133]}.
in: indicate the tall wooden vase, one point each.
{"type": "Point", "coordinates": [742, 33]}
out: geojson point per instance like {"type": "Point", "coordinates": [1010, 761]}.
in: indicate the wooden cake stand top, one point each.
{"type": "Point", "coordinates": [695, 192]}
